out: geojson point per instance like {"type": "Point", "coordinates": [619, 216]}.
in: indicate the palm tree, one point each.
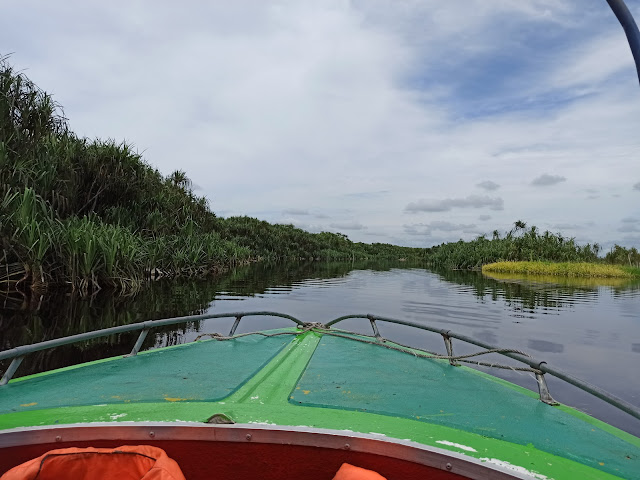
{"type": "Point", "coordinates": [179, 179]}
{"type": "Point", "coordinates": [519, 225]}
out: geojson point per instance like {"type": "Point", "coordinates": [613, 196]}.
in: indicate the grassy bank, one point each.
{"type": "Point", "coordinates": [521, 243]}
{"type": "Point", "coordinates": [565, 269]}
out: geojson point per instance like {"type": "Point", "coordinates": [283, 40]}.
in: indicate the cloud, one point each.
{"type": "Point", "coordinates": [567, 226]}
{"type": "Point", "coordinates": [629, 227]}
{"type": "Point", "coordinates": [295, 211]}
{"type": "Point", "coordinates": [450, 227]}
{"type": "Point", "coordinates": [354, 225]}
{"type": "Point", "coordinates": [442, 226]}
{"type": "Point", "coordinates": [546, 180]}
{"type": "Point", "coordinates": [417, 229]}
{"type": "Point", "coordinates": [295, 104]}
{"type": "Point", "coordinates": [472, 201]}
{"type": "Point", "coordinates": [367, 194]}
{"type": "Point", "coordinates": [488, 185]}
{"type": "Point", "coordinates": [630, 220]}
{"type": "Point", "coordinates": [484, 218]}
{"type": "Point", "coordinates": [442, 231]}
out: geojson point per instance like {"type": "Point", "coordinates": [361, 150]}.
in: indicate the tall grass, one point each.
{"type": "Point", "coordinates": [565, 269]}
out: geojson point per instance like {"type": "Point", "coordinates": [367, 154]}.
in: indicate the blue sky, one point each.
{"type": "Point", "coordinates": [405, 121]}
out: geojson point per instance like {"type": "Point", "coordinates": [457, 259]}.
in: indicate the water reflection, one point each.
{"type": "Point", "coordinates": [590, 329]}
{"type": "Point", "coordinates": [545, 346]}
{"type": "Point", "coordinates": [26, 319]}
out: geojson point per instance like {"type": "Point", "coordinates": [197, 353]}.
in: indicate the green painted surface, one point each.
{"type": "Point", "coordinates": [265, 398]}
{"type": "Point", "coordinates": [208, 370]}
{"type": "Point", "coordinates": [351, 375]}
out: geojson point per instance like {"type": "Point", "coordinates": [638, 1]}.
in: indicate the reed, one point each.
{"type": "Point", "coordinates": [564, 269]}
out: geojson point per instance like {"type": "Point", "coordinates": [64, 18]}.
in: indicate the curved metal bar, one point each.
{"type": "Point", "coordinates": [593, 390]}
{"type": "Point", "coordinates": [532, 362]}
{"type": "Point", "coordinates": [630, 29]}
{"type": "Point", "coordinates": [105, 332]}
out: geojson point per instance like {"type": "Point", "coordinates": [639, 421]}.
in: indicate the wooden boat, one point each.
{"type": "Point", "coordinates": [298, 402]}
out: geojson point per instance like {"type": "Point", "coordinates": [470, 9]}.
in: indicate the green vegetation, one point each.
{"type": "Point", "coordinates": [624, 256]}
{"type": "Point", "coordinates": [566, 269]}
{"type": "Point", "coordinates": [92, 214]}
{"type": "Point", "coordinates": [519, 244]}
{"type": "Point", "coordinates": [528, 252]}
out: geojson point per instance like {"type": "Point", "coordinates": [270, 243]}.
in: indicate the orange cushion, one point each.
{"type": "Point", "coordinates": [139, 462]}
{"type": "Point", "coordinates": [350, 472]}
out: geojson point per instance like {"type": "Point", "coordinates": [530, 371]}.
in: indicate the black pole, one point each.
{"type": "Point", "coordinates": [630, 29]}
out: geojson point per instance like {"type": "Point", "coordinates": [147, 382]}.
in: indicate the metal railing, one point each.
{"type": "Point", "coordinates": [540, 367]}
{"type": "Point", "coordinates": [18, 353]}
{"type": "Point", "coordinates": [630, 28]}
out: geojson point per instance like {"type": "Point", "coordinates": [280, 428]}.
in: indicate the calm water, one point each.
{"type": "Point", "coordinates": [589, 330]}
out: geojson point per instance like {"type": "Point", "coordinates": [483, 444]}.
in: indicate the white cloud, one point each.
{"type": "Point", "coordinates": [437, 231]}
{"type": "Point", "coordinates": [355, 109]}
{"type": "Point", "coordinates": [354, 225]}
{"type": "Point", "coordinates": [561, 227]}
{"type": "Point", "coordinates": [629, 227]}
{"type": "Point", "coordinates": [295, 211]}
{"type": "Point", "coordinates": [488, 185]}
{"type": "Point", "coordinates": [445, 205]}
{"type": "Point", "coordinates": [546, 180]}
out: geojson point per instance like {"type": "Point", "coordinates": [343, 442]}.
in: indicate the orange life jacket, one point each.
{"type": "Point", "coordinates": [129, 462]}
{"type": "Point", "coordinates": [350, 472]}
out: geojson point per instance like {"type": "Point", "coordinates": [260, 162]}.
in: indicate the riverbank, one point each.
{"type": "Point", "coordinates": [564, 269]}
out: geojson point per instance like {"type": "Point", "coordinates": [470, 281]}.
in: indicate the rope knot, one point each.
{"type": "Point", "coordinates": [313, 325]}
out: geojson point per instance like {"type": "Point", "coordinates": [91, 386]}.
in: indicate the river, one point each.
{"type": "Point", "coordinates": [588, 329]}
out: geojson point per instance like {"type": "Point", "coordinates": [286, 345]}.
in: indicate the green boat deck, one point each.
{"type": "Point", "coordinates": [329, 382]}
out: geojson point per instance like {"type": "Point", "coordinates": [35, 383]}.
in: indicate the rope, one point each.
{"type": "Point", "coordinates": [399, 347]}
{"type": "Point", "coordinates": [433, 355]}
{"type": "Point", "coordinates": [218, 336]}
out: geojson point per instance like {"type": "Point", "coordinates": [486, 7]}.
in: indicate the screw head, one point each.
{"type": "Point", "coordinates": [248, 437]}
{"type": "Point", "coordinates": [448, 466]}
{"type": "Point", "coordinates": [152, 434]}
{"type": "Point", "coordinates": [58, 438]}
{"type": "Point", "coordinates": [347, 446]}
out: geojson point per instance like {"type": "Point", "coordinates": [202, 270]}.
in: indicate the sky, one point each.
{"type": "Point", "coordinates": [397, 121]}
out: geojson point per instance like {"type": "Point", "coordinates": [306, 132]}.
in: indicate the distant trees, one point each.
{"type": "Point", "coordinates": [623, 256]}
{"type": "Point", "coordinates": [518, 244]}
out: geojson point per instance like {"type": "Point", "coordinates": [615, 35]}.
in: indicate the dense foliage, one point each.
{"type": "Point", "coordinates": [519, 244]}
{"type": "Point", "coordinates": [279, 242]}
{"type": "Point", "coordinates": [93, 214]}
{"type": "Point", "coordinates": [623, 256]}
